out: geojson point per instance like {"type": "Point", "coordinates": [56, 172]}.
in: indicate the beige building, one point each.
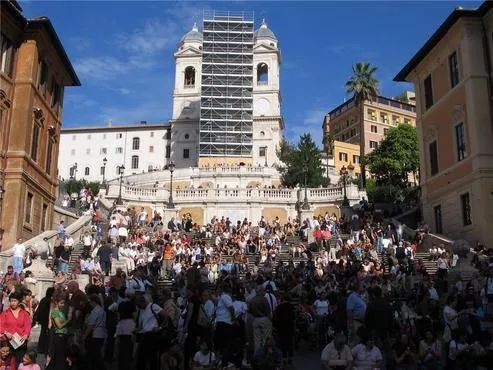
{"type": "Point", "coordinates": [452, 73]}
{"type": "Point", "coordinates": [34, 70]}
{"type": "Point", "coordinates": [379, 116]}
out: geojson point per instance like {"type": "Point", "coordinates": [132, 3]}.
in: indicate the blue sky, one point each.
{"type": "Point", "coordinates": [122, 52]}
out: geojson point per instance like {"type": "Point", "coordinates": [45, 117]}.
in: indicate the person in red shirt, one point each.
{"type": "Point", "coordinates": [13, 321]}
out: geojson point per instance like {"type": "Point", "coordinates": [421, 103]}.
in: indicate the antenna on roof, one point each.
{"type": "Point", "coordinates": [109, 121]}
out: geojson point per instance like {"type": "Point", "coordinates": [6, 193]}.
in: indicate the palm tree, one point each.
{"type": "Point", "coordinates": [364, 87]}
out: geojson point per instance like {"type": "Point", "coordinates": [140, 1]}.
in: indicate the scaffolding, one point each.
{"type": "Point", "coordinates": [226, 104]}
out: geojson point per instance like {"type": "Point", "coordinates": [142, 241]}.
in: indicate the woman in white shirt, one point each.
{"type": "Point", "coordinates": [366, 355]}
{"type": "Point", "coordinates": [204, 358]}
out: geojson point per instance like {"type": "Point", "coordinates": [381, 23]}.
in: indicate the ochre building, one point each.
{"type": "Point", "coordinates": [452, 73]}
{"type": "Point", "coordinates": [34, 69]}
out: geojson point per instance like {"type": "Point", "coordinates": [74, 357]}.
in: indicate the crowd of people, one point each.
{"type": "Point", "coordinates": [173, 294]}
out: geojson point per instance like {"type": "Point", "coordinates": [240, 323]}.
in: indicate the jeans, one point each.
{"type": "Point", "coordinates": [17, 264]}
{"type": "Point", "coordinates": [63, 267]}
{"type": "Point", "coordinates": [262, 330]}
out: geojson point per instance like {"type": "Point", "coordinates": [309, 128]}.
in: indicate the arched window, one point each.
{"type": "Point", "coordinates": [135, 162]}
{"type": "Point", "coordinates": [262, 74]}
{"type": "Point", "coordinates": [86, 171]}
{"type": "Point", "coordinates": [135, 143]}
{"type": "Point", "coordinates": [190, 77]}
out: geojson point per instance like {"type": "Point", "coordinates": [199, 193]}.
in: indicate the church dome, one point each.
{"type": "Point", "coordinates": [193, 35]}
{"type": "Point", "coordinates": [264, 32]}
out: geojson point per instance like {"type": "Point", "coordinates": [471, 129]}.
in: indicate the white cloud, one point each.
{"type": "Point", "coordinates": [100, 68]}
{"type": "Point", "coordinates": [311, 123]}
{"type": "Point", "coordinates": [153, 37]}
{"type": "Point", "coordinates": [79, 100]}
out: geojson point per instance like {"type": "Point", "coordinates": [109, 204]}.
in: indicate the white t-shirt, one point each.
{"type": "Point", "coordinates": [143, 216]}
{"type": "Point", "coordinates": [365, 359]}
{"type": "Point", "coordinates": [87, 240]}
{"type": "Point", "coordinates": [19, 250]}
{"type": "Point", "coordinates": [147, 318]}
{"type": "Point", "coordinates": [336, 358]}
{"type": "Point", "coordinates": [204, 359]}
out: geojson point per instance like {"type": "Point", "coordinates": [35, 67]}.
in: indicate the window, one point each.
{"type": "Point", "coordinates": [119, 150]}
{"type": "Point", "coordinates": [74, 137]}
{"type": "Point", "coordinates": [262, 74]}
{"type": "Point", "coordinates": [72, 152]}
{"type": "Point", "coordinates": [151, 149]}
{"type": "Point", "coordinates": [385, 131]}
{"type": "Point", "coordinates": [89, 137]}
{"type": "Point", "coordinates": [44, 217]}
{"type": "Point", "coordinates": [152, 134]}
{"type": "Point", "coordinates": [187, 136]}
{"type": "Point", "coordinates": [374, 129]}
{"type": "Point", "coordinates": [460, 142]}
{"type": "Point", "coordinates": [135, 162]}
{"type": "Point", "coordinates": [102, 171]}
{"type": "Point", "coordinates": [35, 142]}
{"type": "Point", "coordinates": [465, 202]}
{"type": "Point", "coordinates": [88, 151]}
{"type": "Point", "coordinates": [86, 171]}
{"type": "Point", "coordinates": [186, 153]}
{"type": "Point", "coordinates": [55, 92]}
{"type": "Point", "coordinates": [372, 115]}
{"type": "Point", "coordinates": [373, 145]}
{"type": "Point", "coordinates": [119, 135]}
{"type": "Point", "coordinates": [168, 151]}
{"type": "Point", "coordinates": [168, 134]}
{"type": "Point", "coordinates": [343, 156]}
{"type": "Point", "coordinates": [42, 76]}
{"type": "Point", "coordinates": [103, 151]}
{"type": "Point", "coordinates": [453, 69]}
{"type": "Point", "coordinates": [29, 208]}
{"type": "Point", "coordinates": [433, 149]}
{"type": "Point", "coordinates": [355, 158]}
{"type": "Point", "coordinates": [407, 121]}
{"type": "Point", "coordinates": [438, 219]}
{"type": "Point", "coordinates": [261, 151]}
{"type": "Point", "coordinates": [7, 55]}
{"type": "Point", "coordinates": [117, 170]}
{"type": "Point", "coordinates": [189, 77]}
{"type": "Point", "coordinates": [48, 157]}
{"type": "Point", "coordinates": [104, 136]}
{"type": "Point", "coordinates": [428, 85]}
{"type": "Point", "coordinates": [72, 171]}
{"type": "Point", "coordinates": [149, 168]}
{"type": "Point", "coordinates": [396, 120]}
{"type": "Point", "coordinates": [384, 118]}
{"type": "Point", "coordinates": [135, 143]}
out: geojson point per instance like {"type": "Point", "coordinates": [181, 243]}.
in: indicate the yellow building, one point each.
{"type": "Point", "coordinates": [345, 154]}
{"type": "Point", "coordinates": [452, 74]}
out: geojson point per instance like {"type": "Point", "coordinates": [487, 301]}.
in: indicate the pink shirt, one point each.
{"type": "Point", "coordinates": [29, 367]}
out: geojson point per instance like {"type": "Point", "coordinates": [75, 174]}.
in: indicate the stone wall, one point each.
{"type": "Point", "coordinates": [60, 214]}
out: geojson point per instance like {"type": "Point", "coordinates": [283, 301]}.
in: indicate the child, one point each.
{"type": "Point", "coordinates": [29, 361]}
{"type": "Point", "coordinates": [7, 361]}
{"type": "Point", "coordinates": [204, 358]}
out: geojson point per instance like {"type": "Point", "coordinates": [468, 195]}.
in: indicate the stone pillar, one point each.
{"type": "Point", "coordinates": [168, 213]}
{"type": "Point", "coordinates": [346, 212]}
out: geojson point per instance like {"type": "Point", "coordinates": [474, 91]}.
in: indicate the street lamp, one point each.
{"type": "Point", "coordinates": [105, 161]}
{"type": "Point", "coordinates": [171, 168]}
{"type": "Point", "coordinates": [305, 205]}
{"type": "Point", "coordinates": [344, 172]}
{"type": "Point", "coordinates": [119, 201]}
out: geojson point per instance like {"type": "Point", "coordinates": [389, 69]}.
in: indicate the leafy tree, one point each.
{"type": "Point", "coordinates": [396, 157]}
{"type": "Point", "coordinates": [75, 186]}
{"type": "Point", "coordinates": [364, 87]}
{"type": "Point", "coordinates": [300, 160]}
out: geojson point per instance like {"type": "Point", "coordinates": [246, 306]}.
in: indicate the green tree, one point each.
{"type": "Point", "coordinates": [75, 186]}
{"type": "Point", "coordinates": [396, 157]}
{"type": "Point", "coordinates": [364, 87]}
{"type": "Point", "coordinates": [299, 161]}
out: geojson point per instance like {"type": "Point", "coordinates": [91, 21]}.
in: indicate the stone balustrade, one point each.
{"type": "Point", "coordinates": [262, 195]}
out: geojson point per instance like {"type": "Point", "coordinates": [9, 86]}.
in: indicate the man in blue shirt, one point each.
{"type": "Point", "coordinates": [356, 310]}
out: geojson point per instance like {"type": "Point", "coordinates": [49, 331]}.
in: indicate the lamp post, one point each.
{"type": "Point", "coordinates": [344, 172]}
{"type": "Point", "coordinates": [171, 168]}
{"type": "Point", "coordinates": [305, 205]}
{"type": "Point", "coordinates": [119, 200]}
{"type": "Point", "coordinates": [105, 161]}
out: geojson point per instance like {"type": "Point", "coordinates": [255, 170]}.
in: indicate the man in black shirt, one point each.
{"type": "Point", "coordinates": [104, 254]}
